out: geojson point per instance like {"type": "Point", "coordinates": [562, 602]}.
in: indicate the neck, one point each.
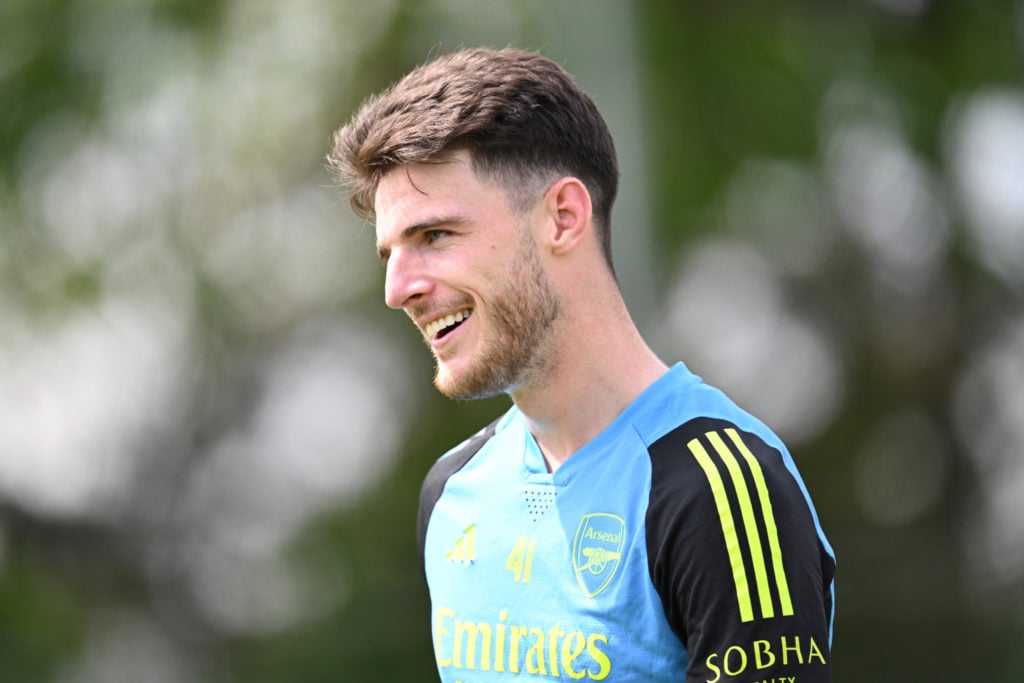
{"type": "Point", "coordinates": [595, 376]}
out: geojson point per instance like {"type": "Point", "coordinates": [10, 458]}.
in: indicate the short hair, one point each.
{"type": "Point", "coordinates": [520, 116]}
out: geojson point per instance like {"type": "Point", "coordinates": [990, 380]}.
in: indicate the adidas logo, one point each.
{"type": "Point", "coordinates": [465, 547]}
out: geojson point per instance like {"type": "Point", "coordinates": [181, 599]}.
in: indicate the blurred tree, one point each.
{"type": "Point", "coordinates": [731, 83]}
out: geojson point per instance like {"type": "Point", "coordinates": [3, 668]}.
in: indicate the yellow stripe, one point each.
{"type": "Point", "coordinates": [749, 523]}
{"type": "Point", "coordinates": [732, 544]}
{"type": "Point", "coordinates": [769, 522]}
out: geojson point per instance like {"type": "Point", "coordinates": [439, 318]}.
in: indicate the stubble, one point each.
{"type": "Point", "coordinates": [518, 352]}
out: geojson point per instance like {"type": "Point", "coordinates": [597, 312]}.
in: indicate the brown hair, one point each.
{"type": "Point", "coordinates": [519, 115]}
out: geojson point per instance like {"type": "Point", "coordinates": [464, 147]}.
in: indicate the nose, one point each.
{"type": "Point", "coordinates": [405, 280]}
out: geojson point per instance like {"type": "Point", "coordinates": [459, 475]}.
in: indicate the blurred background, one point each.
{"type": "Point", "coordinates": [212, 431]}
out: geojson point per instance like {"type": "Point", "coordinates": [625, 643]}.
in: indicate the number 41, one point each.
{"type": "Point", "coordinates": [520, 560]}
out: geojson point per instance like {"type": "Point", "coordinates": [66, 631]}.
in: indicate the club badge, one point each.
{"type": "Point", "coordinates": [597, 551]}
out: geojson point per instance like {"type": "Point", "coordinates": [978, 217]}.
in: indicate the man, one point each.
{"type": "Point", "coordinates": [623, 521]}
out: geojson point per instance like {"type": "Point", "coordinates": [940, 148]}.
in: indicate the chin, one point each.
{"type": "Point", "coordinates": [469, 384]}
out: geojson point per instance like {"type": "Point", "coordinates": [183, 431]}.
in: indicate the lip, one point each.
{"type": "Point", "coordinates": [436, 325]}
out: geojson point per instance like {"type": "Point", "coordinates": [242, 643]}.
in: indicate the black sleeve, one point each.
{"type": "Point", "coordinates": [735, 554]}
{"type": "Point", "coordinates": [438, 476]}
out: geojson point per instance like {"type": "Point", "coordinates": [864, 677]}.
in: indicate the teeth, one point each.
{"type": "Point", "coordinates": [447, 321]}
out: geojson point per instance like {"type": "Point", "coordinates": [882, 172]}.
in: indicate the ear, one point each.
{"type": "Point", "coordinates": [570, 212]}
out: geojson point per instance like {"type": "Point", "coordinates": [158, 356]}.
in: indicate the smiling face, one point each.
{"type": "Point", "coordinates": [463, 265]}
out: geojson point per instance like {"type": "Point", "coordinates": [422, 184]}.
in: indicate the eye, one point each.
{"type": "Point", "coordinates": [433, 235]}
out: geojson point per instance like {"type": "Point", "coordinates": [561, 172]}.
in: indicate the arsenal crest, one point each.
{"type": "Point", "coordinates": [597, 551]}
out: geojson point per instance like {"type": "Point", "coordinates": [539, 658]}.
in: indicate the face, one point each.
{"type": "Point", "coordinates": [463, 265]}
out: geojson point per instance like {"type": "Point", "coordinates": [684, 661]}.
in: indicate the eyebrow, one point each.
{"type": "Point", "coordinates": [384, 252]}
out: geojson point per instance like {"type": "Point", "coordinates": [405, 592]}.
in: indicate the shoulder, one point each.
{"type": "Point", "coordinates": [716, 448]}
{"type": "Point", "coordinates": [734, 547]}
{"type": "Point", "coordinates": [729, 474]}
{"type": "Point", "coordinates": [709, 475]}
{"type": "Point", "coordinates": [447, 465]}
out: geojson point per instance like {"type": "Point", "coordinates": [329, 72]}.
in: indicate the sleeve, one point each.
{"type": "Point", "coordinates": [736, 554]}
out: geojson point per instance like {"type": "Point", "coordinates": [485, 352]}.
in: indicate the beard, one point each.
{"type": "Point", "coordinates": [518, 352]}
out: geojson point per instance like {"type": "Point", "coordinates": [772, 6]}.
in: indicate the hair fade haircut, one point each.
{"type": "Point", "coordinates": [520, 116]}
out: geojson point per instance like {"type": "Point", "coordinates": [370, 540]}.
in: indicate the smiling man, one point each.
{"type": "Point", "coordinates": [623, 521]}
{"type": "Point", "coordinates": [440, 230]}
